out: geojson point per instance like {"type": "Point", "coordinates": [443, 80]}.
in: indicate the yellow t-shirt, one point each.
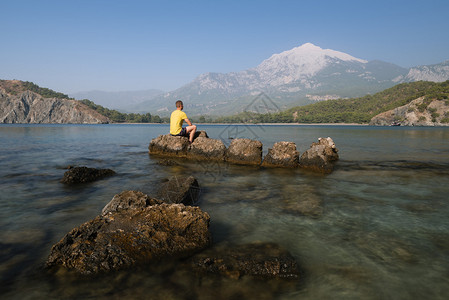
{"type": "Point", "coordinates": [176, 120]}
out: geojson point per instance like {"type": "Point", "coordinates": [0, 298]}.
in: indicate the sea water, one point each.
{"type": "Point", "coordinates": [382, 231]}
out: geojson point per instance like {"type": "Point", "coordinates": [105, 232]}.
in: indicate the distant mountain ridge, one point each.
{"type": "Point", "coordinates": [295, 77]}
{"type": "Point", "coordinates": [435, 73]}
{"type": "Point", "coordinates": [117, 100]}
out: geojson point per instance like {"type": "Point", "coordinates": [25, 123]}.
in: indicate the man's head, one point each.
{"type": "Point", "coordinates": [179, 104]}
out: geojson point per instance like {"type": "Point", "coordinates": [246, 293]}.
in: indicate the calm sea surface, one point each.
{"type": "Point", "coordinates": [383, 232]}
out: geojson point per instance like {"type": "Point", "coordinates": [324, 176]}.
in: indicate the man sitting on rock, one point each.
{"type": "Point", "coordinates": [177, 118]}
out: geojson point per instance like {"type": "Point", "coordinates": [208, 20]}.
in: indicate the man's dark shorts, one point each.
{"type": "Point", "coordinates": [182, 133]}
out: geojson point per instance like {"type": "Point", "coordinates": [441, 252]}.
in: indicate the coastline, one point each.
{"type": "Point", "coordinates": [258, 124]}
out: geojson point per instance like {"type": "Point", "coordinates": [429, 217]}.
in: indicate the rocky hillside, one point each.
{"type": "Point", "coordinates": [419, 112]}
{"type": "Point", "coordinates": [18, 104]}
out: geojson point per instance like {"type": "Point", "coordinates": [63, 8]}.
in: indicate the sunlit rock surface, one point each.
{"type": "Point", "coordinates": [320, 156]}
{"type": "Point", "coordinates": [125, 238]}
{"type": "Point", "coordinates": [283, 154]}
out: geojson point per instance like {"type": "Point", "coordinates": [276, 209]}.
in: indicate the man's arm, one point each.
{"type": "Point", "coordinates": [188, 121]}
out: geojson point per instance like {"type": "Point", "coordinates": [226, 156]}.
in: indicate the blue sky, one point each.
{"type": "Point", "coordinates": [72, 46]}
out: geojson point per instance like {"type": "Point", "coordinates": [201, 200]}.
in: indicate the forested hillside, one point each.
{"type": "Point", "coordinates": [354, 110]}
{"type": "Point", "coordinates": [119, 117]}
{"type": "Point", "coordinates": [14, 87]}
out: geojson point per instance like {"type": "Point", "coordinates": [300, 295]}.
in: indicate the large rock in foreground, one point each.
{"type": "Point", "coordinates": [321, 156]}
{"type": "Point", "coordinates": [85, 174]}
{"type": "Point", "coordinates": [129, 237]}
{"type": "Point", "coordinates": [244, 152]}
{"type": "Point", "coordinates": [283, 154]}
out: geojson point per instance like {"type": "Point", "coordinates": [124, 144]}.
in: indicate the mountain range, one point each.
{"type": "Point", "coordinates": [299, 76]}
{"type": "Point", "coordinates": [117, 100]}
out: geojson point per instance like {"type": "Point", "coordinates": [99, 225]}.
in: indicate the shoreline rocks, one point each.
{"type": "Point", "coordinates": [244, 152]}
{"type": "Point", "coordinates": [206, 148]}
{"type": "Point", "coordinates": [283, 154]}
{"type": "Point", "coordinates": [321, 157]}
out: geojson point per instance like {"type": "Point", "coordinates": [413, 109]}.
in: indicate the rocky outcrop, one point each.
{"type": "Point", "coordinates": [320, 156]}
{"type": "Point", "coordinates": [263, 260]}
{"type": "Point", "coordinates": [283, 154]}
{"type": "Point", "coordinates": [419, 112]}
{"type": "Point", "coordinates": [179, 189]}
{"type": "Point", "coordinates": [125, 238]}
{"type": "Point", "coordinates": [129, 200]}
{"type": "Point", "coordinates": [85, 174]}
{"type": "Point", "coordinates": [244, 152]}
{"type": "Point", "coordinates": [29, 107]}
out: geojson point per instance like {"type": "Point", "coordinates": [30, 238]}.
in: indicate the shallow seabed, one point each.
{"type": "Point", "coordinates": [381, 232]}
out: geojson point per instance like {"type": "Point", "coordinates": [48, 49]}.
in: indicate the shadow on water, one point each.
{"type": "Point", "coordinates": [400, 165]}
{"type": "Point", "coordinates": [23, 259]}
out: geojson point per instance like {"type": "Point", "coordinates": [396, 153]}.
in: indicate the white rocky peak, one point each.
{"type": "Point", "coordinates": [300, 62]}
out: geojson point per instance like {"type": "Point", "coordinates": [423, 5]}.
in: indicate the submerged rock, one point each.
{"type": "Point", "coordinates": [179, 189]}
{"type": "Point", "coordinates": [167, 162]}
{"type": "Point", "coordinates": [321, 156]}
{"type": "Point", "coordinates": [85, 174]}
{"type": "Point", "coordinates": [265, 260]}
{"type": "Point", "coordinates": [121, 239]}
{"type": "Point", "coordinates": [244, 151]}
{"type": "Point", "coordinates": [302, 199]}
{"type": "Point", "coordinates": [283, 154]}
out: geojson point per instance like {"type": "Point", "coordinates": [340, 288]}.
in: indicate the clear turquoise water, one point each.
{"type": "Point", "coordinates": [383, 232]}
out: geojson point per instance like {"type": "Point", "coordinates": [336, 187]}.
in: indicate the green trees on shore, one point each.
{"type": "Point", "coordinates": [119, 117]}
{"type": "Point", "coordinates": [354, 110]}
